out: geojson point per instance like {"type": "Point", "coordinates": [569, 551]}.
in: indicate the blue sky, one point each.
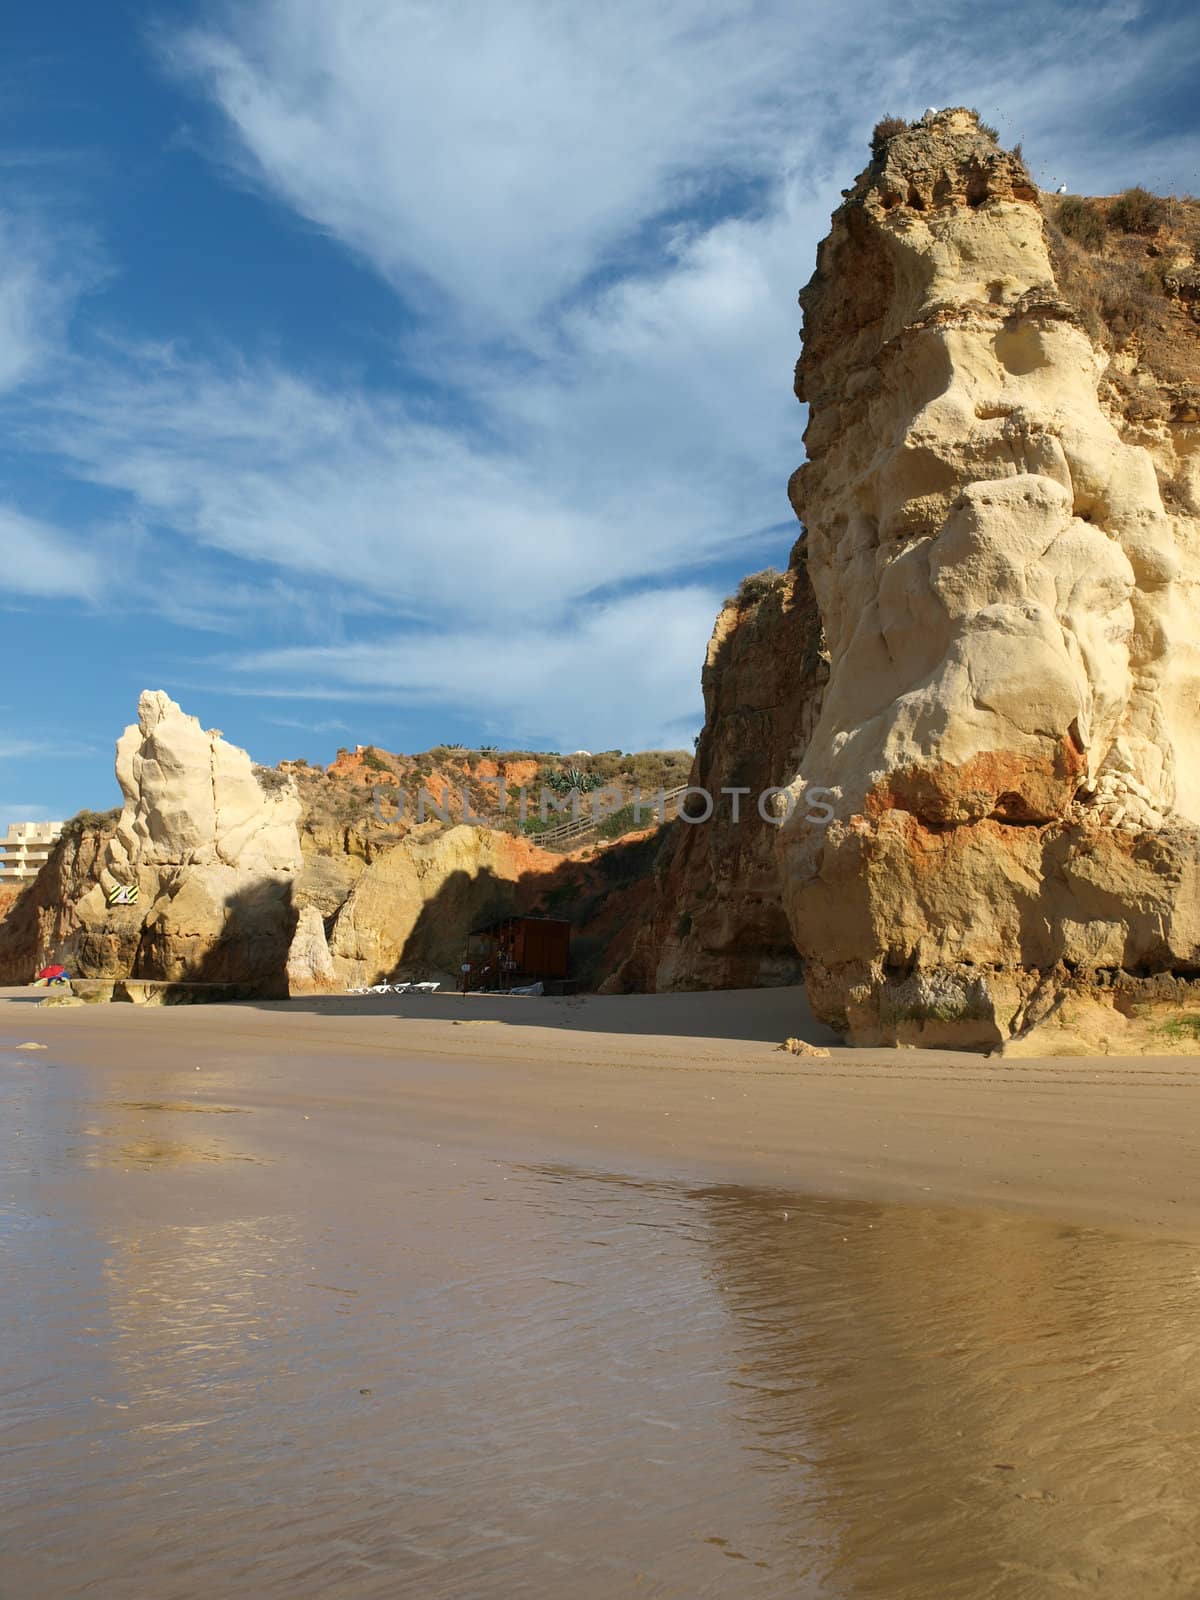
{"type": "Point", "coordinates": [412, 370]}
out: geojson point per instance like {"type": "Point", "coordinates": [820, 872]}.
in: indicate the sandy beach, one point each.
{"type": "Point", "coordinates": [467, 1299]}
{"type": "Point", "coordinates": [684, 1085]}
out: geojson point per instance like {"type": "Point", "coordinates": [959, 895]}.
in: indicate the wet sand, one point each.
{"type": "Point", "coordinates": [686, 1086]}
{"type": "Point", "coordinates": [492, 1299]}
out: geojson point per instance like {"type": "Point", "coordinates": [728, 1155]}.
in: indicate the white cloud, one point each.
{"type": "Point", "coordinates": [625, 673]}
{"type": "Point", "coordinates": [43, 269]}
{"type": "Point", "coordinates": [41, 560]}
{"type": "Point", "coordinates": [366, 499]}
{"type": "Point", "coordinates": [495, 154]}
{"type": "Point", "coordinates": [15, 749]}
{"type": "Point", "coordinates": [330, 725]}
{"type": "Point", "coordinates": [12, 749]}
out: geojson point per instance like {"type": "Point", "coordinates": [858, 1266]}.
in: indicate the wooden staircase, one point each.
{"type": "Point", "coordinates": [566, 834]}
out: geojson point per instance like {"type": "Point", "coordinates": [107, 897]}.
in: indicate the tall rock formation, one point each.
{"type": "Point", "coordinates": [215, 854]}
{"type": "Point", "coordinates": [1007, 576]}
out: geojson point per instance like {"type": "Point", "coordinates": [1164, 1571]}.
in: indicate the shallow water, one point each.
{"type": "Point", "coordinates": [246, 1352]}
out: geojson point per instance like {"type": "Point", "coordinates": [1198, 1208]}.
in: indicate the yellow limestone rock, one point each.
{"type": "Point", "coordinates": [213, 854]}
{"type": "Point", "coordinates": [192, 799]}
{"type": "Point", "coordinates": [310, 968]}
{"type": "Point", "coordinates": [1011, 727]}
{"type": "Point", "coordinates": [415, 902]}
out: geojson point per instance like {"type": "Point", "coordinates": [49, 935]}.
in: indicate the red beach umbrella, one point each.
{"type": "Point", "coordinates": [51, 972]}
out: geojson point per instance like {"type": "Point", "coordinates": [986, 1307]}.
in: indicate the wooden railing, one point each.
{"type": "Point", "coordinates": [577, 828]}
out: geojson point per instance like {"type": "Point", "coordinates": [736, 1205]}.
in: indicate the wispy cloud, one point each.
{"type": "Point", "coordinates": [330, 725]}
{"type": "Point", "coordinates": [490, 155]}
{"type": "Point", "coordinates": [622, 673]}
{"type": "Point", "coordinates": [48, 260]}
{"type": "Point", "coordinates": [43, 749]}
{"type": "Point", "coordinates": [42, 560]}
{"type": "Point", "coordinates": [497, 157]}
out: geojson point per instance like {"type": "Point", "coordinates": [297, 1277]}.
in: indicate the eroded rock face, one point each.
{"type": "Point", "coordinates": [44, 923]}
{"type": "Point", "coordinates": [416, 903]}
{"type": "Point", "coordinates": [718, 920]}
{"type": "Point", "coordinates": [192, 799]}
{"type": "Point", "coordinates": [1011, 728]}
{"type": "Point", "coordinates": [310, 968]}
{"type": "Point", "coordinates": [214, 856]}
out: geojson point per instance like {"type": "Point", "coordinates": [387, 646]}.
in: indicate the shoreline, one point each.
{"type": "Point", "coordinates": [688, 1087]}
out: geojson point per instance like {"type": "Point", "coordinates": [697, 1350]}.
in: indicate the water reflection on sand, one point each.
{"type": "Point", "coordinates": [370, 1368]}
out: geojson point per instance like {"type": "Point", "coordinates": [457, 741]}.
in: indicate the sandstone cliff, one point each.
{"type": "Point", "coordinates": [43, 923]}
{"type": "Point", "coordinates": [1005, 555]}
{"type": "Point", "coordinates": [270, 880]}
{"type": "Point", "coordinates": [718, 920]}
{"type": "Point", "coordinates": [417, 902]}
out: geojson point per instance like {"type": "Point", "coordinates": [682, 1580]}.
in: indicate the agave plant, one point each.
{"type": "Point", "coordinates": [572, 778]}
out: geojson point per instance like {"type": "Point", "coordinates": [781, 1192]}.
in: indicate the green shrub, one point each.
{"type": "Point", "coordinates": [1082, 220]}
{"type": "Point", "coordinates": [622, 821]}
{"type": "Point", "coordinates": [1137, 211]}
{"type": "Point", "coordinates": [563, 782]}
{"type": "Point", "coordinates": [607, 765]}
{"type": "Point", "coordinates": [372, 759]}
{"type": "Point", "coordinates": [85, 820]}
{"type": "Point", "coordinates": [755, 587]}
{"type": "Point", "coordinates": [270, 779]}
{"type": "Point", "coordinates": [1153, 276]}
{"type": "Point", "coordinates": [886, 128]}
{"type": "Point", "coordinates": [657, 769]}
{"type": "Point", "coordinates": [1182, 1029]}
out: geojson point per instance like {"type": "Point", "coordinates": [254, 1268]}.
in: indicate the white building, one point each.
{"type": "Point", "coordinates": [25, 849]}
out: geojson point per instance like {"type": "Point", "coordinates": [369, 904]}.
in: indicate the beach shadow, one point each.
{"type": "Point", "coordinates": [762, 1015]}
{"type": "Point", "coordinates": [260, 920]}
{"type": "Point", "coordinates": [607, 899]}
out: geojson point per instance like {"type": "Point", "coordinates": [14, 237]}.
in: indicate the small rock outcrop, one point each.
{"type": "Point", "coordinates": [44, 925]}
{"type": "Point", "coordinates": [212, 853]}
{"type": "Point", "coordinates": [1008, 578]}
{"type": "Point", "coordinates": [310, 966]}
{"type": "Point", "coordinates": [718, 920]}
